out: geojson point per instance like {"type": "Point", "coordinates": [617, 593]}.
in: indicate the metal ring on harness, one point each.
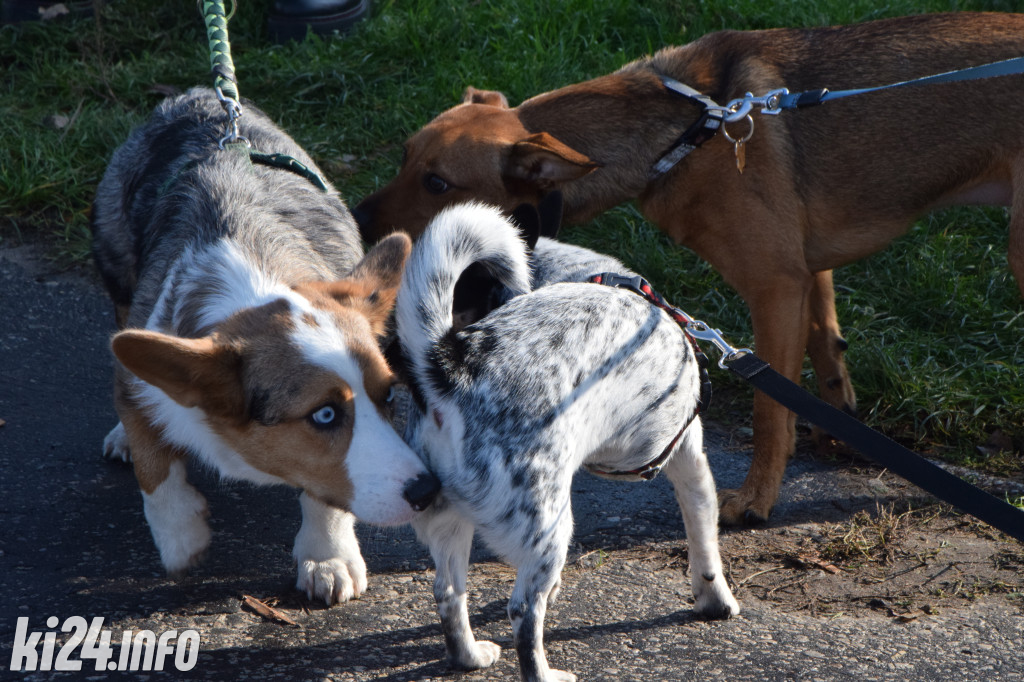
{"type": "Point", "coordinates": [745, 138]}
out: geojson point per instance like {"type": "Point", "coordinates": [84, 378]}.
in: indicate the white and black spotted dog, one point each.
{"type": "Point", "coordinates": [250, 319]}
{"type": "Point", "coordinates": [508, 408]}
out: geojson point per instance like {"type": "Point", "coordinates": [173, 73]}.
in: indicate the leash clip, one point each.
{"type": "Point", "coordinates": [770, 103]}
{"type": "Point", "coordinates": [234, 111]}
{"type": "Point", "coordinates": [700, 330]}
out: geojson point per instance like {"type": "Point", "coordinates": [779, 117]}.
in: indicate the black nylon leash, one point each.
{"type": "Point", "coordinates": [799, 100]}
{"type": "Point", "coordinates": [880, 448]}
{"type": "Point", "coordinates": [875, 446]}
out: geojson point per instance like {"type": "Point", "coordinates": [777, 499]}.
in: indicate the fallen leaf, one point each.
{"type": "Point", "coordinates": [908, 617]}
{"type": "Point", "coordinates": [267, 612]}
{"type": "Point", "coordinates": [807, 561]}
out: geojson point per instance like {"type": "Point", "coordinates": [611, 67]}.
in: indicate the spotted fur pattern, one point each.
{"type": "Point", "coordinates": [568, 375]}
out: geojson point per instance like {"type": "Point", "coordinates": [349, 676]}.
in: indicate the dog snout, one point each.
{"type": "Point", "coordinates": [421, 491]}
{"type": "Point", "coordinates": [363, 215]}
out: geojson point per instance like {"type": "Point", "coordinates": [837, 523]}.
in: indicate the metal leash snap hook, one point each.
{"type": "Point", "coordinates": [772, 102]}
{"type": "Point", "coordinates": [769, 103]}
{"type": "Point", "coordinates": [234, 111]}
{"type": "Point", "coordinates": [703, 332]}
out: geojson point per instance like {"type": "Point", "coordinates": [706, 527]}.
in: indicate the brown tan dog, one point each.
{"type": "Point", "coordinates": [821, 187]}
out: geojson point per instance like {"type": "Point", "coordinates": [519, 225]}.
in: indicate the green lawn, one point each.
{"type": "Point", "coordinates": [935, 323]}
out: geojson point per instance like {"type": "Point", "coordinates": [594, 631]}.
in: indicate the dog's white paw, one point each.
{"type": "Point", "coordinates": [115, 445]}
{"type": "Point", "coordinates": [326, 551]}
{"type": "Point", "coordinates": [560, 676]}
{"type": "Point", "coordinates": [714, 599]}
{"type": "Point", "coordinates": [177, 515]}
{"type": "Point", "coordinates": [187, 550]}
{"type": "Point", "coordinates": [333, 580]}
{"type": "Point", "coordinates": [481, 654]}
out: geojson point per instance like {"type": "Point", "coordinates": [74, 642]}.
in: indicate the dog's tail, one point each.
{"type": "Point", "coordinates": [465, 236]}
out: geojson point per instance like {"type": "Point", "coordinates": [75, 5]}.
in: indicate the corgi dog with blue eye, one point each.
{"type": "Point", "coordinates": [249, 324]}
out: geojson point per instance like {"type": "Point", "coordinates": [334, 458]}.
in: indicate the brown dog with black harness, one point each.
{"type": "Point", "coordinates": [809, 191]}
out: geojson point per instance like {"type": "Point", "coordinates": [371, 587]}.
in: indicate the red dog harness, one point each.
{"type": "Point", "coordinates": [642, 287]}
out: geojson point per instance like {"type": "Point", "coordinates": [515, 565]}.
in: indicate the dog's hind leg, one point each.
{"type": "Point", "coordinates": [450, 538]}
{"type": "Point", "coordinates": [690, 475]}
{"type": "Point", "coordinates": [330, 566]}
{"type": "Point", "coordinates": [538, 577]}
{"type": "Point", "coordinates": [115, 445]}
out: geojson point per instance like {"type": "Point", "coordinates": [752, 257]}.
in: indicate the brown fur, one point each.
{"type": "Point", "coordinates": [256, 390]}
{"type": "Point", "coordinates": [822, 187]}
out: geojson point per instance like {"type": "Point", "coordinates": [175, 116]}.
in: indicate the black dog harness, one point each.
{"type": "Point", "coordinates": [642, 287]}
{"type": "Point", "coordinates": [706, 126]}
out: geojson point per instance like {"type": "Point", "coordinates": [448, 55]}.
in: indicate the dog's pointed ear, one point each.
{"type": "Point", "coordinates": [385, 261]}
{"type": "Point", "coordinates": [544, 162]}
{"type": "Point", "coordinates": [192, 372]}
{"type": "Point", "coordinates": [489, 97]}
{"type": "Point", "coordinates": [372, 286]}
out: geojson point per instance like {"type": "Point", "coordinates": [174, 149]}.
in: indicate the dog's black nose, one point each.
{"type": "Point", "coordinates": [362, 218]}
{"type": "Point", "coordinates": [421, 491]}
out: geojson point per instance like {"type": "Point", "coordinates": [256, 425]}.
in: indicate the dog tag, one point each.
{"type": "Point", "coordinates": [739, 144]}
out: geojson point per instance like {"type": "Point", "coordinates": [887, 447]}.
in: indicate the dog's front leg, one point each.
{"type": "Point", "coordinates": [780, 315]}
{"type": "Point", "coordinates": [450, 538]}
{"type": "Point", "coordinates": [330, 566]}
{"type": "Point", "coordinates": [535, 582]}
{"type": "Point", "coordinates": [176, 512]}
{"type": "Point", "coordinates": [825, 346]}
{"type": "Point", "coordinates": [690, 475]}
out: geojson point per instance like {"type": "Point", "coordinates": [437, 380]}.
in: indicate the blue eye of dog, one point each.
{"type": "Point", "coordinates": [324, 417]}
{"type": "Point", "coordinates": [435, 184]}
{"type": "Point", "coordinates": [390, 397]}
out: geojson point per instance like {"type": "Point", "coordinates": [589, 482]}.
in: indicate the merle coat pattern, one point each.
{"type": "Point", "coordinates": [250, 319]}
{"type": "Point", "coordinates": [511, 406]}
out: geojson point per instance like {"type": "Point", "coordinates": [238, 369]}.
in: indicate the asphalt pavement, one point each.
{"type": "Point", "coordinates": [74, 543]}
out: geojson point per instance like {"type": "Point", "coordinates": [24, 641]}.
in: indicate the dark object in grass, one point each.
{"type": "Point", "coordinates": [291, 19]}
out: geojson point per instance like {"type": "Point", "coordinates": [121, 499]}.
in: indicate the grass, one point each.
{"type": "Point", "coordinates": [936, 324]}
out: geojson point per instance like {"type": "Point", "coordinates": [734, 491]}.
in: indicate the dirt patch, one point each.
{"type": "Point", "coordinates": [896, 561]}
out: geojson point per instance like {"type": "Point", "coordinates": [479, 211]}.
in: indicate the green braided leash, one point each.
{"type": "Point", "coordinates": [221, 66]}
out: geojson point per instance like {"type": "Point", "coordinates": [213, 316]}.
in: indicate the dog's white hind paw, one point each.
{"type": "Point", "coordinates": [560, 676]}
{"type": "Point", "coordinates": [482, 654]}
{"type": "Point", "coordinates": [332, 580]}
{"type": "Point", "coordinates": [115, 445]}
{"type": "Point", "coordinates": [713, 599]}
